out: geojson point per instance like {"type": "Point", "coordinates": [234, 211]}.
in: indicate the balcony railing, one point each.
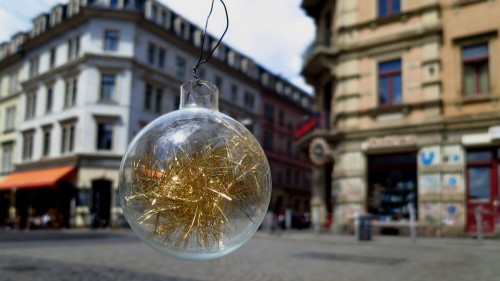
{"type": "Point", "coordinates": [319, 120]}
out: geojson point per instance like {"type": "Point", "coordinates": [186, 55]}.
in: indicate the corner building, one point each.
{"type": "Point", "coordinates": [79, 85]}
{"type": "Point", "coordinates": [410, 91]}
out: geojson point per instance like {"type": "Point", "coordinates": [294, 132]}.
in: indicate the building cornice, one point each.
{"type": "Point", "coordinates": [401, 17]}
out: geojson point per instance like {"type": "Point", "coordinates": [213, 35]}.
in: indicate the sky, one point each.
{"type": "Point", "coordinates": [273, 33]}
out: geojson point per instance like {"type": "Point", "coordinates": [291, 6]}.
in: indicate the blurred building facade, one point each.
{"type": "Point", "coordinates": [89, 75]}
{"type": "Point", "coordinates": [411, 94]}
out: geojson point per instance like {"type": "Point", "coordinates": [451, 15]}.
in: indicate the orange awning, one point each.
{"type": "Point", "coordinates": [36, 178]}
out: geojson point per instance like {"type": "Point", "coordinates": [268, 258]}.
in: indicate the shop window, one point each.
{"type": "Point", "coordinates": [389, 82]}
{"type": "Point", "coordinates": [111, 40]}
{"type": "Point", "coordinates": [475, 61]}
{"type": "Point", "coordinates": [392, 186]}
{"type": "Point", "coordinates": [388, 7]}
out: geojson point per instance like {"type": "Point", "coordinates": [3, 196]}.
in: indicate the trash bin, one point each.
{"type": "Point", "coordinates": [365, 228]}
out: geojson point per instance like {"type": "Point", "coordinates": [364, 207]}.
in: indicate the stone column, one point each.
{"type": "Point", "coordinates": [318, 205]}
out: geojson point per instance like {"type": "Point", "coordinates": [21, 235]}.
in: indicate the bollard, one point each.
{"type": "Point", "coordinates": [413, 226]}
{"type": "Point", "coordinates": [478, 212]}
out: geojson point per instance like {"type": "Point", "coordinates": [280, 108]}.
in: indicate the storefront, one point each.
{"type": "Point", "coordinates": [450, 184]}
{"type": "Point", "coordinates": [38, 199]}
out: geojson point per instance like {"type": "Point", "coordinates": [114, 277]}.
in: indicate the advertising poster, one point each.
{"type": "Point", "coordinates": [452, 183]}
{"type": "Point", "coordinates": [429, 213]}
{"type": "Point", "coordinates": [452, 213]}
{"type": "Point", "coordinates": [430, 183]}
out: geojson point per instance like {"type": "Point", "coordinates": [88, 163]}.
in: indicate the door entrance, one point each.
{"type": "Point", "coordinates": [101, 203]}
{"type": "Point", "coordinates": [482, 190]}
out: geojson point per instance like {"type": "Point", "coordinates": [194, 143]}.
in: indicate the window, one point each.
{"type": "Point", "coordinates": [70, 92]}
{"type": "Point", "coordinates": [180, 67]}
{"type": "Point", "coordinates": [67, 138]}
{"type": "Point", "coordinates": [10, 116]}
{"type": "Point", "coordinates": [388, 7]}
{"type": "Point", "coordinates": [234, 93]}
{"type": "Point", "coordinates": [218, 82]}
{"type": "Point", "coordinates": [151, 53]}
{"type": "Point", "coordinates": [104, 136]}
{"type": "Point", "coordinates": [281, 117]}
{"type": "Point", "coordinates": [161, 58]}
{"type": "Point", "coordinates": [73, 48]}
{"type": "Point", "coordinates": [113, 3]}
{"type": "Point", "coordinates": [154, 12]}
{"type": "Point", "coordinates": [163, 18]}
{"type": "Point", "coordinates": [7, 151]}
{"type": "Point", "coordinates": [30, 106]}
{"type": "Point", "coordinates": [475, 60]}
{"type": "Point", "coordinates": [390, 84]}
{"type": "Point", "coordinates": [13, 82]}
{"type": "Point", "coordinates": [269, 111]}
{"type": "Point", "coordinates": [268, 140]}
{"type": "Point", "coordinates": [52, 57]}
{"type": "Point", "coordinates": [46, 143]}
{"type": "Point", "coordinates": [249, 99]}
{"type": "Point", "coordinates": [148, 97]}
{"type": "Point", "coordinates": [28, 146]}
{"type": "Point", "coordinates": [158, 100]}
{"type": "Point", "coordinates": [49, 99]}
{"type": "Point", "coordinates": [200, 72]}
{"type": "Point", "coordinates": [108, 86]}
{"type": "Point", "coordinates": [289, 147]}
{"type": "Point", "coordinates": [33, 67]}
{"type": "Point", "coordinates": [177, 102]}
{"type": "Point", "coordinates": [111, 40]}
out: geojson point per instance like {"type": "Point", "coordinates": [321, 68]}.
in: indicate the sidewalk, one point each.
{"type": "Point", "coordinates": [430, 242]}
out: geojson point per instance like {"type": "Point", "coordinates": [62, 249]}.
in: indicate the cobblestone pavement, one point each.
{"type": "Point", "coordinates": [118, 255]}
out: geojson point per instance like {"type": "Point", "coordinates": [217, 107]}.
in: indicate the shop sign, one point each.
{"type": "Point", "coordinates": [319, 151]}
{"type": "Point", "coordinates": [495, 132]}
{"type": "Point", "coordinates": [390, 141]}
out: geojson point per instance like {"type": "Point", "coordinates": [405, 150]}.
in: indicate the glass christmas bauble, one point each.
{"type": "Point", "coordinates": [195, 183]}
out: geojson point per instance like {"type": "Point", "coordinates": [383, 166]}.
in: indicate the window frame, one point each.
{"type": "Point", "coordinates": [112, 96]}
{"type": "Point", "coordinates": [478, 62]}
{"type": "Point", "coordinates": [180, 67]}
{"type": "Point", "coordinates": [390, 74]}
{"type": "Point", "coordinates": [27, 149]}
{"type": "Point", "coordinates": [389, 8]}
{"type": "Point", "coordinates": [46, 141]}
{"type": "Point", "coordinates": [151, 53]}
{"type": "Point", "coordinates": [70, 92]}
{"type": "Point", "coordinates": [114, 44]}
{"type": "Point", "coordinates": [68, 137]}
{"type": "Point", "coordinates": [106, 141]}
{"type": "Point", "coordinates": [30, 111]}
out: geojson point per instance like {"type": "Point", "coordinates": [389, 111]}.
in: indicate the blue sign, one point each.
{"type": "Point", "coordinates": [452, 209]}
{"type": "Point", "coordinates": [452, 181]}
{"type": "Point", "coordinates": [427, 159]}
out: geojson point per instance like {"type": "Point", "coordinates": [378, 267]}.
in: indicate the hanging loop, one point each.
{"type": "Point", "coordinates": [201, 60]}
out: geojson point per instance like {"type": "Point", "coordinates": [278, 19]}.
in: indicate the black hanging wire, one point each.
{"type": "Point", "coordinates": [201, 60]}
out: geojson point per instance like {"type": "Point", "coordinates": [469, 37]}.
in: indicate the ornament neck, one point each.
{"type": "Point", "coordinates": [199, 93]}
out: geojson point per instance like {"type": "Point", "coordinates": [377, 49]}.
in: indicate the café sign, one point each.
{"type": "Point", "coordinates": [390, 141]}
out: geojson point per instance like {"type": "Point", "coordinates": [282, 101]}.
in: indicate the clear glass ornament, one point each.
{"type": "Point", "coordinates": [195, 183]}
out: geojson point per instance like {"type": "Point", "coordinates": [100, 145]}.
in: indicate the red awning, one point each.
{"type": "Point", "coordinates": [37, 178]}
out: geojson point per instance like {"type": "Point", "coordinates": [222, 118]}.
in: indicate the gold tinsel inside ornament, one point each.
{"type": "Point", "coordinates": [196, 184]}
